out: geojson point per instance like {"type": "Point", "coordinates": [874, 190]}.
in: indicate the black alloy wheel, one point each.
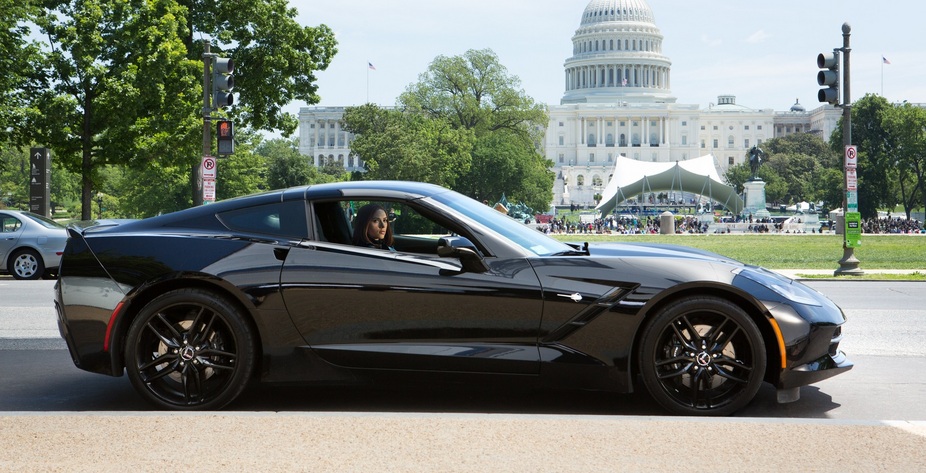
{"type": "Point", "coordinates": [702, 356]}
{"type": "Point", "coordinates": [190, 349]}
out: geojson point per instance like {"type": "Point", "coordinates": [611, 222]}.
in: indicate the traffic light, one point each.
{"type": "Point", "coordinates": [225, 137]}
{"type": "Point", "coordinates": [222, 82]}
{"type": "Point", "coordinates": [828, 77]}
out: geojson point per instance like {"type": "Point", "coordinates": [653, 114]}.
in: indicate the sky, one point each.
{"type": "Point", "coordinates": [764, 53]}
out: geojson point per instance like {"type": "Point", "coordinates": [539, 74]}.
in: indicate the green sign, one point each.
{"type": "Point", "coordinates": [853, 229]}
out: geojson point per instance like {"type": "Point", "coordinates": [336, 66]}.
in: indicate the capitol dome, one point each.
{"type": "Point", "coordinates": [599, 11]}
{"type": "Point", "coordinates": [617, 56]}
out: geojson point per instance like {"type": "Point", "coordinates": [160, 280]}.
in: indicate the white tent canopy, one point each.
{"type": "Point", "coordinates": [696, 176]}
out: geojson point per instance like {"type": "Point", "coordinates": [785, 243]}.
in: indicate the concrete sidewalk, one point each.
{"type": "Point", "coordinates": [411, 442]}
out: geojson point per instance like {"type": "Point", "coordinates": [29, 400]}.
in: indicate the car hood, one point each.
{"type": "Point", "coordinates": [655, 250]}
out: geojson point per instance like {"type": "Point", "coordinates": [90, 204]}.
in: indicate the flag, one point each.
{"type": "Point", "coordinates": [371, 66]}
{"type": "Point", "coordinates": [884, 60]}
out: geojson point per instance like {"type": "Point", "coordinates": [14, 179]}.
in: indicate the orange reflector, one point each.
{"type": "Point", "coordinates": [781, 343]}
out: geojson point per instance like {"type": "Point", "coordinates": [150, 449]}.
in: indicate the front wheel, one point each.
{"type": "Point", "coordinates": [190, 349]}
{"type": "Point", "coordinates": [702, 356]}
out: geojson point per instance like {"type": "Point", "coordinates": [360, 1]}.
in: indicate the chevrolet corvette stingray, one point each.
{"type": "Point", "coordinates": [195, 305]}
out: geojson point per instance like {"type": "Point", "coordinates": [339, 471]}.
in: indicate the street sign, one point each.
{"type": "Point", "coordinates": [851, 156]}
{"type": "Point", "coordinates": [853, 229]}
{"type": "Point", "coordinates": [40, 181]}
{"type": "Point", "coordinates": [208, 190]}
{"type": "Point", "coordinates": [209, 167]}
{"type": "Point", "coordinates": [851, 179]}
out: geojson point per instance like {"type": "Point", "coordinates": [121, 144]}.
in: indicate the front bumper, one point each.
{"type": "Point", "coordinates": [822, 368]}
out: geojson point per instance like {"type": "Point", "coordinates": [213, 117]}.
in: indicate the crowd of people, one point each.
{"type": "Point", "coordinates": [891, 225]}
{"type": "Point", "coordinates": [692, 224]}
{"type": "Point", "coordinates": [622, 225]}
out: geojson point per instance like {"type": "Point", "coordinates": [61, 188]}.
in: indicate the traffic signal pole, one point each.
{"type": "Point", "coordinates": [197, 175]}
{"type": "Point", "coordinates": [848, 265]}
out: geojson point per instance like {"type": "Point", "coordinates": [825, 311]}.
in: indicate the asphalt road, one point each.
{"type": "Point", "coordinates": [54, 417]}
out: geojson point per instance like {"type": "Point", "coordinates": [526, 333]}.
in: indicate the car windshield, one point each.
{"type": "Point", "coordinates": [526, 237]}
{"type": "Point", "coordinates": [43, 221]}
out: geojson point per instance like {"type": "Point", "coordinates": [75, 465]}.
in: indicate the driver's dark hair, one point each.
{"type": "Point", "coordinates": [364, 215]}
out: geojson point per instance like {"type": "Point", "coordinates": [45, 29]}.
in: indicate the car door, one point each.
{"type": "Point", "coordinates": [10, 230]}
{"type": "Point", "coordinates": [412, 310]}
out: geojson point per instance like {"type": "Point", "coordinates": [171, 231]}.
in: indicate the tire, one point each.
{"type": "Point", "coordinates": [190, 349]}
{"type": "Point", "coordinates": [26, 264]}
{"type": "Point", "coordinates": [702, 355]}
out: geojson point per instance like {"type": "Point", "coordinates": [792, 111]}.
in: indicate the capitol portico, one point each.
{"type": "Point", "coordinates": [617, 101]}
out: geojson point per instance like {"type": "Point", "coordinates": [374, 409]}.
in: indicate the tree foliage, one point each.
{"type": "Point", "coordinates": [286, 167]}
{"type": "Point", "coordinates": [123, 78]}
{"type": "Point", "coordinates": [798, 168]}
{"type": "Point", "coordinates": [21, 78]}
{"type": "Point", "coordinates": [401, 145]}
{"type": "Point", "coordinates": [121, 91]}
{"type": "Point", "coordinates": [905, 126]}
{"type": "Point", "coordinates": [466, 124]}
{"type": "Point", "coordinates": [876, 189]}
{"type": "Point", "coordinates": [276, 58]}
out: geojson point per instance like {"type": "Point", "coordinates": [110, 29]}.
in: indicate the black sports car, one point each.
{"type": "Point", "coordinates": [195, 304]}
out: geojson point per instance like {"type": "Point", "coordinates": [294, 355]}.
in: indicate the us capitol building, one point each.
{"type": "Point", "coordinates": [617, 101]}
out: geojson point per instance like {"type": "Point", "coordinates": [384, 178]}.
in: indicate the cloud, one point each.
{"type": "Point", "coordinates": [712, 42]}
{"type": "Point", "coordinates": [758, 37]}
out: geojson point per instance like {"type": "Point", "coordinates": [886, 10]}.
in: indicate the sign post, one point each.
{"type": "Point", "coordinates": [209, 167]}
{"type": "Point", "coordinates": [848, 265]}
{"type": "Point", "coordinates": [40, 181]}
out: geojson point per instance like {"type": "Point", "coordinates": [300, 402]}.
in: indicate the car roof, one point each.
{"type": "Point", "coordinates": [204, 214]}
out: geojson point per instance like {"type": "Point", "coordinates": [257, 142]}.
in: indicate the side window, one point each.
{"type": "Point", "coordinates": [412, 231]}
{"type": "Point", "coordinates": [9, 224]}
{"type": "Point", "coordinates": [280, 219]}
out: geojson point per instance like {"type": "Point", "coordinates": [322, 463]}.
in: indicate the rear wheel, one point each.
{"type": "Point", "coordinates": [190, 349]}
{"type": "Point", "coordinates": [26, 264]}
{"type": "Point", "coordinates": [702, 356]}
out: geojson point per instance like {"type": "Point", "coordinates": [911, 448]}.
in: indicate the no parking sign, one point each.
{"type": "Point", "coordinates": [851, 157]}
{"type": "Point", "coordinates": [209, 167]}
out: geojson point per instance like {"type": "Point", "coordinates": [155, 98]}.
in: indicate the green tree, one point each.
{"type": "Point", "coordinates": [242, 173]}
{"type": "Point", "coordinates": [286, 167]}
{"type": "Point", "coordinates": [905, 126]}
{"type": "Point", "coordinates": [876, 189]}
{"type": "Point", "coordinates": [800, 160]}
{"type": "Point", "coordinates": [127, 78]}
{"type": "Point", "coordinates": [502, 161]}
{"type": "Point", "coordinates": [122, 88]}
{"type": "Point", "coordinates": [475, 92]}
{"type": "Point", "coordinates": [276, 58]}
{"type": "Point", "coordinates": [776, 189]}
{"type": "Point", "coordinates": [22, 77]}
{"type": "Point", "coordinates": [396, 144]}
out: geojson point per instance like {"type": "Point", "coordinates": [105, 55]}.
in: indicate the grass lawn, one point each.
{"type": "Point", "coordinates": [777, 251]}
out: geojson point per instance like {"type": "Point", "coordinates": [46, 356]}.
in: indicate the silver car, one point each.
{"type": "Point", "coordinates": [30, 244]}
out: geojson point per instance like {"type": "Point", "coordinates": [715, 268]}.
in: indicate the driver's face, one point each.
{"type": "Point", "coordinates": [376, 229]}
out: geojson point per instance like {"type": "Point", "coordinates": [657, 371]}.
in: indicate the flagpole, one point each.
{"type": "Point", "coordinates": [368, 80]}
{"type": "Point", "coordinates": [882, 75]}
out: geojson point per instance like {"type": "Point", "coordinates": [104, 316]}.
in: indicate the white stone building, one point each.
{"type": "Point", "coordinates": [617, 101]}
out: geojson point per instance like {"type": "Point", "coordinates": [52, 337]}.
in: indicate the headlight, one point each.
{"type": "Point", "coordinates": [790, 290]}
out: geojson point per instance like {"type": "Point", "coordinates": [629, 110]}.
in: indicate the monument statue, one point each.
{"type": "Point", "coordinates": [754, 189]}
{"type": "Point", "coordinates": [756, 157]}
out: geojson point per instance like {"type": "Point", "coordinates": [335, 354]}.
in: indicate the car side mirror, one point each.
{"type": "Point", "coordinates": [463, 249]}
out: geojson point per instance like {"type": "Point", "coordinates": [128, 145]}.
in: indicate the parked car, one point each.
{"type": "Point", "coordinates": [195, 304]}
{"type": "Point", "coordinates": [30, 244]}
